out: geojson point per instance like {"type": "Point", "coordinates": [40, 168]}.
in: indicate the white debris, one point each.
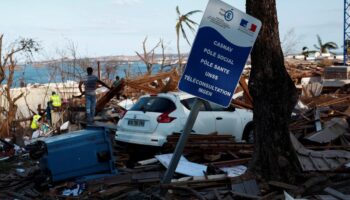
{"type": "Point", "coordinates": [126, 104]}
{"type": "Point", "coordinates": [36, 134]}
{"type": "Point", "coordinates": [288, 197]}
{"type": "Point", "coordinates": [20, 170]}
{"type": "Point", "coordinates": [148, 161]}
{"type": "Point", "coordinates": [234, 171]}
{"type": "Point", "coordinates": [74, 191]}
{"type": "Point", "coordinates": [184, 167]}
{"type": "Point", "coordinates": [64, 126]}
{"type": "Point", "coordinates": [300, 106]}
{"type": "Point", "coordinates": [347, 165]}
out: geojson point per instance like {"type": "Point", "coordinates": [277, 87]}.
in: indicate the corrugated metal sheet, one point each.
{"type": "Point", "coordinates": [246, 187]}
{"type": "Point", "coordinates": [334, 128]}
{"type": "Point", "coordinates": [327, 160]}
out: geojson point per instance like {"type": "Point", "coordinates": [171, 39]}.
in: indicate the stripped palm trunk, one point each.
{"type": "Point", "coordinates": [274, 97]}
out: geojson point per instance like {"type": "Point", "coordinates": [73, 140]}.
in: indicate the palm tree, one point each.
{"type": "Point", "coordinates": [324, 48]}
{"type": "Point", "coordinates": [274, 97]}
{"type": "Point", "coordinates": [182, 21]}
{"type": "Point", "coordinates": [306, 52]}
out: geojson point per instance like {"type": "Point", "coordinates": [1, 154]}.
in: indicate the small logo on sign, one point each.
{"type": "Point", "coordinates": [248, 26]}
{"type": "Point", "coordinates": [228, 15]}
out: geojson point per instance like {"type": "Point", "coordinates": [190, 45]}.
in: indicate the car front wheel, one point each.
{"type": "Point", "coordinates": [248, 133]}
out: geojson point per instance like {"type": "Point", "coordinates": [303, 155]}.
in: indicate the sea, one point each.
{"type": "Point", "coordinates": [31, 74]}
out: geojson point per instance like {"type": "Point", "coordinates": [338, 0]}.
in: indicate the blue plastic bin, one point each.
{"type": "Point", "coordinates": [78, 154]}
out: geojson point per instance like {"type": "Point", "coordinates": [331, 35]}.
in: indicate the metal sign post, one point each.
{"type": "Point", "coordinates": [219, 52]}
{"type": "Point", "coordinates": [182, 141]}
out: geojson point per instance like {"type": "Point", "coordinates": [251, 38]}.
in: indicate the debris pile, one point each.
{"type": "Point", "coordinates": [213, 166]}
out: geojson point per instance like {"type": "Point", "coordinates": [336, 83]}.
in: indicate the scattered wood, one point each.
{"type": "Point", "coordinates": [284, 186]}
{"type": "Point", "coordinates": [336, 193]}
{"type": "Point", "coordinates": [216, 151]}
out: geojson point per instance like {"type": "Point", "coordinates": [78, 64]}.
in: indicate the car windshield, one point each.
{"type": "Point", "coordinates": [154, 104]}
{"type": "Point", "coordinates": [189, 103]}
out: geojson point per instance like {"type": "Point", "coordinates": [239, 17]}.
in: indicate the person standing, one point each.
{"type": "Point", "coordinates": [115, 84]}
{"type": "Point", "coordinates": [36, 122]}
{"type": "Point", "coordinates": [55, 102]}
{"type": "Point", "coordinates": [90, 82]}
{"type": "Point", "coordinates": [36, 126]}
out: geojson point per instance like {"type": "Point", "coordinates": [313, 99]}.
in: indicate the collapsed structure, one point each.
{"type": "Point", "coordinates": [214, 166]}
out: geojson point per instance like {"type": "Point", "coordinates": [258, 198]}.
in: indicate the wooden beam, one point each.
{"type": "Point", "coordinates": [245, 89]}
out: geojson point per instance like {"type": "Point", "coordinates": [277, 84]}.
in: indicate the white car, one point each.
{"type": "Point", "coordinates": [154, 117]}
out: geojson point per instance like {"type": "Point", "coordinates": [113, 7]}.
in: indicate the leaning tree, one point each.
{"type": "Point", "coordinates": [274, 96]}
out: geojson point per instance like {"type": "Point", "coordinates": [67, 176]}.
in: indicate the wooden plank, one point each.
{"type": "Point", "coordinates": [246, 89]}
{"type": "Point", "coordinates": [114, 191]}
{"type": "Point", "coordinates": [336, 193]}
{"type": "Point", "coordinates": [241, 104]}
{"type": "Point", "coordinates": [148, 78]}
{"type": "Point", "coordinates": [144, 176]}
{"type": "Point", "coordinates": [217, 195]}
{"type": "Point", "coordinates": [244, 195]}
{"type": "Point", "coordinates": [113, 180]}
{"type": "Point", "coordinates": [282, 185]}
{"type": "Point", "coordinates": [160, 83]}
{"type": "Point", "coordinates": [231, 162]}
{"type": "Point", "coordinates": [148, 161]}
{"type": "Point", "coordinates": [108, 96]}
{"type": "Point", "coordinates": [17, 195]}
{"type": "Point", "coordinates": [144, 88]}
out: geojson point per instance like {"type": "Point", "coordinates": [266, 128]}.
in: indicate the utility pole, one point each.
{"type": "Point", "coordinates": [346, 30]}
{"type": "Point", "coordinates": [98, 70]}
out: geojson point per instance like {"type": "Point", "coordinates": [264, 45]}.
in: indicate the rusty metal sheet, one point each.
{"type": "Point", "coordinates": [326, 160]}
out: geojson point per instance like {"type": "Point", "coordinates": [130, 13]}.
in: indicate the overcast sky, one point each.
{"type": "Point", "coordinates": [118, 27]}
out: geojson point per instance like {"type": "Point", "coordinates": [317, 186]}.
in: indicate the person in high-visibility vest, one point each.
{"type": "Point", "coordinates": [36, 122]}
{"type": "Point", "coordinates": [55, 100]}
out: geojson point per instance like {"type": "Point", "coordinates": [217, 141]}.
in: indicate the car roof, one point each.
{"type": "Point", "coordinates": [184, 95]}
{"type": "Point", "coordinates": [180, 95]}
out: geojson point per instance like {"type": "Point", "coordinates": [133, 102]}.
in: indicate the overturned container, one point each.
{"type": "Point", "coordinates": [76, 154]}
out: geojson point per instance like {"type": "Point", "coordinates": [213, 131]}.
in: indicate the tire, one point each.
{"type": "Point", "coordinates": [248, 133]}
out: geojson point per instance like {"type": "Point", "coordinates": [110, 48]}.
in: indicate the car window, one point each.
{"type": "Point", "coordinates": [216, 107]}
{"type": "Point", "coordinates": [154, 104]}
{"type": "Point", "coordinates": [189, 103]}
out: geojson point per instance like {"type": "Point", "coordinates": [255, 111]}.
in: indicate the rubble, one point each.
{"type": "Point", "coordinates": [214, 166]}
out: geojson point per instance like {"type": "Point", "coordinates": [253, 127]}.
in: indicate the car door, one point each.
{"type": "Point", "coordinates": [227, 121]}
{"type": "Point", "coordinates": [205, 122]}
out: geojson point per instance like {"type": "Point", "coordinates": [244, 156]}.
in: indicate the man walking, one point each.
{"type": "Point", "coordinates": [90, 82]}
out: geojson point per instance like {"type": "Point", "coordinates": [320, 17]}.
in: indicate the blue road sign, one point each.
{"type": "Point", "coordinates": [220, 50]}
